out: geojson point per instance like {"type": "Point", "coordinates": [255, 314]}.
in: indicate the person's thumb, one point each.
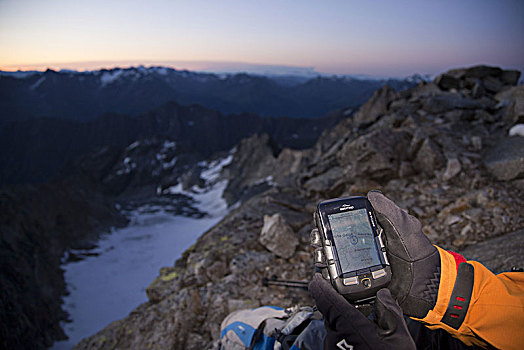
{"type": "Point", "coordinates": [389, 313]}
{"type": "Point", "coordinates": [391, 326]}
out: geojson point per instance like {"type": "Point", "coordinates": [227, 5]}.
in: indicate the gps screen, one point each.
{"type": "Point", "coordinates": [354, 240]}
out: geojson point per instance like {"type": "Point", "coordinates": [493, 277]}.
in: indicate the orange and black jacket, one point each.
{"type": "Point", "coordinates": [476, 306]}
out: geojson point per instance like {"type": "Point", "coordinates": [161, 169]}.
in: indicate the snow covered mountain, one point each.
{"type": "Point", "coordinates": [83, 96]}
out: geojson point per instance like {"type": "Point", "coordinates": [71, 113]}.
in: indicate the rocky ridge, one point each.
{"type": "Point", "coordinates": [38, 223]}
{"type": "Point", "coordinates": [430, 149]}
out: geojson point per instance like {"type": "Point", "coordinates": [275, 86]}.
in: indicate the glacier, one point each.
{"type": "Point", "coordinates": [107, 282]}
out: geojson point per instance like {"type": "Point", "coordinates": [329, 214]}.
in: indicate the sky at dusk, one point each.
{"type": "Point", "coordinates": [382, 37]}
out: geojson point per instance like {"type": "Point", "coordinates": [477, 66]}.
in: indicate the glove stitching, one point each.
{"type": "Point", "coordinates": [407, 252]}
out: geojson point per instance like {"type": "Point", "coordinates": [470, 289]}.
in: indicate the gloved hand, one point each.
{"type": "Point", "coordinates": [348, 328]}
{"type": "Point", "coordinates": [415, 262]}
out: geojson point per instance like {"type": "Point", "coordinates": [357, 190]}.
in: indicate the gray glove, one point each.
{"type": "Point", "coordinates": [348, 328]}
{"type": "Point", "coordinates": [415, 262]}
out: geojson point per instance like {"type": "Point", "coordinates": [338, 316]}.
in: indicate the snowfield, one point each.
{"type": "Point", "coordinates": [110, 280]}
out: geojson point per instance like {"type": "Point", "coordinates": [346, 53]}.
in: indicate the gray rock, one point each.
{"type": "Point", "coordinates": [478, 72]}
{"type": "Point", "coordinates": [376, 155]}
{"type": "Point", "coordinates": [192, 178]}
{"type": "Point", "coordinates": [447, 82]}
{"type": "Point", "coordinates": [216, 270]}
{"type": "Point", "coordinates": [278, 237]}
{"type": "Point", "coordinates": [478, 90]}
{"type": "Point", "coordinates": [248, 262]}
{"type": "Point", "coordinates": [505, 160]}
{"type": "Point", "coordinates": [498, 254]}
{"type": "Point", "coordinates": [476, 142]}
{"type": "Point", "coordinates": [252, 163]}
{"type": "Point", "coordinates": [453, 168]}
{"type": "Point", "coordinates": [493, 84]}
{"type": "Point", "coordinates": [429, 158]}
{"type": "Point", "coordinates": [510, 77]}
{"type": "Point", "coordinates": [425, 89]}
{"type": "Point", "coordinates": [442, 103]}
{"type": "Point", "coordinates": [375, 107]}
{"type": "Point", "coordinates": [515, 111]}
{"type": "Point", "coordinates": [324, 181]}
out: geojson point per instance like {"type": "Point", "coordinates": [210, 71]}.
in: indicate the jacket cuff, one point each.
{"type": "Point", "coordinates": [449, 268]}
{"type": "Point", "coordinates": [454, 297]}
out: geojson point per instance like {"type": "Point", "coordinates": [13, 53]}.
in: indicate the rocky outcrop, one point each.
{"type": "Point", "coordinates": [483, 78]}
{"type": "Point", "coordinates": [252, 168]}
{"type": "Point", "coordinates": [425, 149]}
{"type": "Point", "coordinates": [36, 150]}
{"type": "Point", "coordinates": [376, 106]}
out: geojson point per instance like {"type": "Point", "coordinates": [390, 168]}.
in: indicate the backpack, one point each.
{"type": "Point", "coordinates": [275, 328]}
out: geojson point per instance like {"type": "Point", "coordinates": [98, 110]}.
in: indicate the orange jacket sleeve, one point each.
{"type": "Point", "coordinates": [477, 306]}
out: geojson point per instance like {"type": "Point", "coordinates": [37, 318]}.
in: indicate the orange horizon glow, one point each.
{"type": "Point", "coordinates": [347, 37]}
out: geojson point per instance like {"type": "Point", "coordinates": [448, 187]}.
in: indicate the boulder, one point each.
{"type": "Point", "coordinates": [510, 77]}
{"type": "Point", "coordinates": [324, 182]}
{"type": "Point", "coordinates": [492, 79]}
{"type": "Point", "coordinates": [510, 246]}
{"type": "Point", "coordinates": [515, 112]}
{"type": "Point", "coordinates": [453, 168]}
{"type": "Point", "coordinates": [425, 89]}
{"type": "Point", "coordinates": [477, 72]}
{"type": "Point", "coordinates": [375, 107]}
{"type": "Point", "coordinates": [376, 155]}
{"type": "Point", "coordinates": [447, 82]}
{"type": "Point", "coordinates": [278, 237]}
{"type": "Point", "coordinates": [429, 157]}
{"type": "Point", "coordinates": [505, 160]}
{"type": "Point", "coordinates": [446, 102]}
{"type": "Point", "coordinates": [492, 84]}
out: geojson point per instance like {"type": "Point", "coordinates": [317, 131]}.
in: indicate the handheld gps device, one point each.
{"type": "Point", "coordinates": [352, 243]}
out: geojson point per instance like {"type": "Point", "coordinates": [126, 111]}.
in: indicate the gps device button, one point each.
{"type": "Point", "coordinates": [333, 270]}
{"type": "Point", "coordinates": [319, 257]}
{"type": "Point", "coordinates": [316, 240]}
{"type": "Point", "coordinates": [378, 274]}
{"type": "Point", "coordinates": [350, 281]}
{"type": "Point", "coordinates": [329, 254]}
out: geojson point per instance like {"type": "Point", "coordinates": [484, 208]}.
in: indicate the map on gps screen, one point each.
{"type": "Point", "coordinates": [354, 240]}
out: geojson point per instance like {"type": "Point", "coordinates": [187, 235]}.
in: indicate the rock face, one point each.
{"type": "Point", "coordinates": [35, 150]}
{"type": "Point", "coordinates": [38, 223]}
{"type": "Point", "coordinates": [425, 148]}
{"type": "Point", "coordinates": [375, 107]}
{"type": "Point", "coordinates": [492, 79]}
{"type": "Point", "coordinates": [506, 159]}
{"type": "Point", "coordinates": [278, 237]}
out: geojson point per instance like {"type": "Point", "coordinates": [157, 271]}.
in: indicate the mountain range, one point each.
{"type": "Point", "coordinates": [48, 118]}
{"type": "Point", "coordinates": [83, 96]}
